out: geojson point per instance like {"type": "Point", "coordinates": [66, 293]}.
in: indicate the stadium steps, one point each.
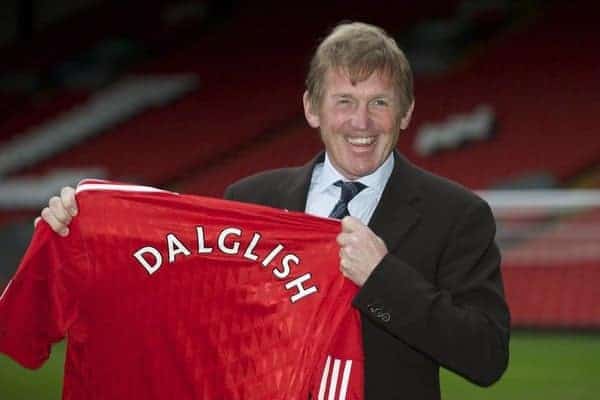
{"type": "Point", "coordinates": [556, 297]}
{"type": "Point", "coordinates": [544, 91]}
{"type": "Point", "coordinates": [552, 279]}
{"type": "Point", "coordinates": [294, 145]}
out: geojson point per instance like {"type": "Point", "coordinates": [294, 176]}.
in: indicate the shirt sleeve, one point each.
{"type": "Point", "coordinates": [40, 302]}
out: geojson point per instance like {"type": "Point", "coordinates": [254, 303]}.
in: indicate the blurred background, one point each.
{"type": "Point", "coordinates": [191, 95]}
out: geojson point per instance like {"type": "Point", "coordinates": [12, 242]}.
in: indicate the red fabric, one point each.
{"type": "Point", "coordinates": [203, 324]}
{"type": "Point", "coordinates": [341, 375]}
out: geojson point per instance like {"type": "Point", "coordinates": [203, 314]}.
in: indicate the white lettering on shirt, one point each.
{"type": "Point", "coordinates": [230, 242]}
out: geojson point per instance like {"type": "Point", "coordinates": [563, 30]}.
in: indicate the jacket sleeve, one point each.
{"type": "Point", "coordinates": [461, 320]}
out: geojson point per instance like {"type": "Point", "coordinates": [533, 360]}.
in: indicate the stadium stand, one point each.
{"type": "Point", "coordinates": [543, 91]}
{"type": "Point", "coordinates": [550, 255]}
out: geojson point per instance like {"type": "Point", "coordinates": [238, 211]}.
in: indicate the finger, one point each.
{"type": "Point", "coordinates": [344, 263]}
{"type": "Point", "coordinates": [345, 268]}
{"type": "Point", "coordinates": [54, 223]}
{"type": "Point", "coordinates": [58, 210]}
{"type": "Point", "coordinates": [350, 254]}
{"type": "Point", "coordinates": [36, 221]}
{"type": "Point", "coordinates": [351, 224]}
{"type": "Point", "coordinates": [344, 239]}
{"type": "Point", "coordinates": [381, 242]}
{"type": "Point", "coordinates": [67, 197]}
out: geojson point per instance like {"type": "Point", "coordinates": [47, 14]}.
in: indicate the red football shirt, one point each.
{"type": "Point", "coordinates": [167, 296]}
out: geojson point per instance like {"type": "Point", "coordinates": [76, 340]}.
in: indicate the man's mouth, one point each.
{"type": "Point", "coordinates": [360, 140]}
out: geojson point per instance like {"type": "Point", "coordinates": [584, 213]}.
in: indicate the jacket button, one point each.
{"type": "Point", "coordinates": [375, 308]}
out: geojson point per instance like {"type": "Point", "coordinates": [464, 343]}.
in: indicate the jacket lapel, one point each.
{"type": "Point", "coordinates": [396, 214]}
{"type": "Point", "coordinates": [295, 192]}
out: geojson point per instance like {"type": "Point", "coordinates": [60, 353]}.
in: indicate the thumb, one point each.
{"type": "Point", "coordinates": [351, 224]}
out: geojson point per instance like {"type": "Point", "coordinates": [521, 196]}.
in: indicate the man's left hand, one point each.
{"type": "Point", "coordinates": [360, 250]}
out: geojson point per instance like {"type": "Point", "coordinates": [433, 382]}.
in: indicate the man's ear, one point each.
{"type": "Point", "coordinates": [407, 116]}
{"type": "Point", "coordinates": [311, 116]}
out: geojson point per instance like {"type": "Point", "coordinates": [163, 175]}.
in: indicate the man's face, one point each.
{"type": "Point", "coordinates": [359, 123]}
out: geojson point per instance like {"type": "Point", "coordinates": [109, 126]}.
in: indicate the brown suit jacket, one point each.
{"type": "Point", "coordinates": [436, 299]}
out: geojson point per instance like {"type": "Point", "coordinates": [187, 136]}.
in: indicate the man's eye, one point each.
{"type": "Point", "coordinates": [343, 101]}
{"type": "Point", "coordinates": [380, 102]}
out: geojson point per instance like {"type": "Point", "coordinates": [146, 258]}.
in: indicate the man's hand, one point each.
{"type": "Point", "coordinates": [360, 250]}
{"type": "Point", "coordinates": [60, 211]}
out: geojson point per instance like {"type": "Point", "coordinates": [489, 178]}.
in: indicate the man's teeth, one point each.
{"type": "Point", "coordinates": [360, 140]}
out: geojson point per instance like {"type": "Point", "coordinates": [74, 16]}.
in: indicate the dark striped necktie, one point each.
{"type": "Point", "coordinates": [349, 190]}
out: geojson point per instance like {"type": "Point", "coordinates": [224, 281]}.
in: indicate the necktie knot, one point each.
{"type": "Point", "coordinates": [349, 191]}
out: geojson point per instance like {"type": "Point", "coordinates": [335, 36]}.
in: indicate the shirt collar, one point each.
{"type": "Point", "coordinates": [375, 180]}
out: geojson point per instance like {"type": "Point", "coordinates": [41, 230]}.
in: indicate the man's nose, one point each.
{"type": "Point", "coordinates": [360, 117]}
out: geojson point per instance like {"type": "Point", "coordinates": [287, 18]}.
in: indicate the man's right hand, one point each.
{"type": "Point", "coordinates": [60, 211]}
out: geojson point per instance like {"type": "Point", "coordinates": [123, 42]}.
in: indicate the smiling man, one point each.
{"type": "Point", "coordinates": [420, 248]}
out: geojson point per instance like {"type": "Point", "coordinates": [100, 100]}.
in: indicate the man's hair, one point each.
{"type": "Point", "coordinates": [359, 50]}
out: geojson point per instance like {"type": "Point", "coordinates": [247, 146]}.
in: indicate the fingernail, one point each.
{"type": "Point", "coordinates": [74, 212]}
{"type": "Point", "coordinates": [64, 232]}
